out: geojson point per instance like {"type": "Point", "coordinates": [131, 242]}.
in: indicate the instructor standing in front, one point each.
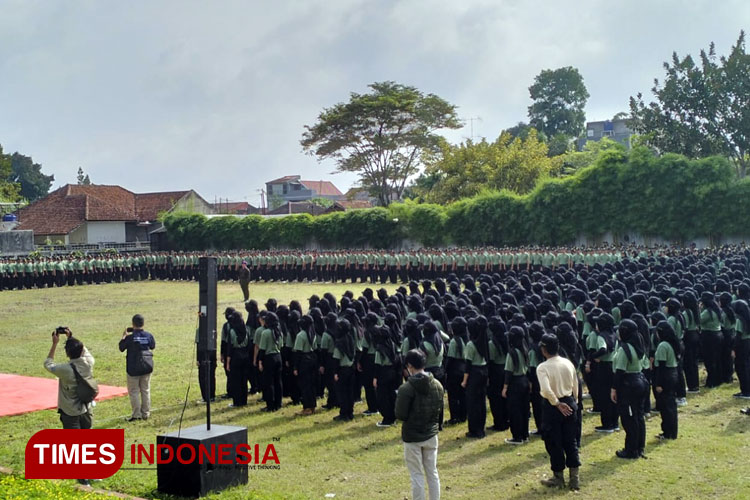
{"type": "Point", "coordinates": [558, 385]}
{"type": "Point", "coordinates": [139, 365]}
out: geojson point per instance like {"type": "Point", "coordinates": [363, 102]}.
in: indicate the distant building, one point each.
{"type": "Point", "coordinates": [291, 188]}
{"type": "Point", "coordinates": [297, 207]}
{"type": "Point", "coordinates": [617, 130]}
{"type": "Point", "coordinates": [92, 214]}
{"type": "Point", "coordinates": [234, 208]}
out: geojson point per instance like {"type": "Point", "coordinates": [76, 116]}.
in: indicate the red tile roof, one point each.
{"type": "Point", "coordinates": [353, 204]}
{"type": "Point", "coordinates": [66, 208]}
{"type": "Point", "coordinates": [282, 180]}
{"type": "Point", "coordinates": [234, 207]}
{"type": "Point", "coordinates": [322, 188]}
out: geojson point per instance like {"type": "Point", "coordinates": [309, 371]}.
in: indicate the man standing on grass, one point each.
{"type": "Point", "coordinates": [419, 404]}
{"type": "Point", "coordinates": [558, 385]}
{"type": "Point", "coordinates": [139, 366]}
{"type": "Point", "coordinates": [244, 278]}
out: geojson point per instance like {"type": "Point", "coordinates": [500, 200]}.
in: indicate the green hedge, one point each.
{"type": "Point", "coordinates": [668, 196]}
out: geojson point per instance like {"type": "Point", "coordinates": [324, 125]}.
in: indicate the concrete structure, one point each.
{"type": "Point", "coordinates": [16, 242]}
{"type": "Point", "coordinates": [292, 188]}
{"type": "Point", "coordinates": [617, 130]}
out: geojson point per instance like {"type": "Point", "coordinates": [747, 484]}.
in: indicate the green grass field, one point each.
{"type": "Point", "coordinates": [318, 456]}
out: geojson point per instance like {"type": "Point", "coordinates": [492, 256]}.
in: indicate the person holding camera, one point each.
{"type": "Point", "coordinates": [139, 365]}
{"type": "Point", "coordinates": [74, 414]}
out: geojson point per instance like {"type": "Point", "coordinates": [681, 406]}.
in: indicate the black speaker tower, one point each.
{"type": "Point", "coordinates": [195, 479]}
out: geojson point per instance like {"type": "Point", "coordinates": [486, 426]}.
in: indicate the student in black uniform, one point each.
{"type": "Point", "coordinates": [238, 359]}
{"type": "Point", "coordinates": [498, 351]}
{"type": "Point", "coordinates": [516, 387]}
{"type": "Point", "coordinates": [628, 389]}
{"type": "Point", "coordinates": [666, 360]}
{"type": "Point", "coordinates": [728, 323]}
{"type": "Point", "coordinates": [269, 362]}
{"type": "Point", "coordinates": [475, 378]}
{"type": "Point", "coordinates": [367, 362]}
{"type": "Point", "coordinates": [225, 348]}
{"type": "Point", "coordinates": [306, 364]}
{"type": "Point", "coordinates": [742, 347]}
{"type": "Point", "coordinates": [387, 373]}
{"type": "Point", "coordinates": [455, 369]}
{"type": "Point", "coordinates": [691, 340]}
{"type": "Point", "coordinates": [344, 355]}
{"type": "Point", "coordinates": [601, 350]}
{"type": "Point", "coordinates": [711, 339]}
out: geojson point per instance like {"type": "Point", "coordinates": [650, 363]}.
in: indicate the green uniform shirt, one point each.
{"type": "Point", "coordinates": [676, 326]}
{"type": "Point", "coordinates": [709, 321]}
{"type": "Point", "coordinates": [453, 348]}
{"type": "Point", "coordinates": [497, 356]}
{"type": "Point", "coordinates": [471, 354]}
{"type": "Point", "coordinates": [433, 358]}
{"type": "Point", "coordinates": [621, 360]}
{"type": "Point", "coordinates": [268, 343]}
{"type": "Point", "coordinates": [510, 366]}
{"type": "Point", "coordinates": [665, 356]}
{"type": "Point", "coordinates": [344, 360]}
{"type": "Point", "coordinates": [302, 343]}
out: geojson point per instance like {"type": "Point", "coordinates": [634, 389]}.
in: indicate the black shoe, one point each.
{"type": "Point", "coordinates": [368, 413]}
{"type": "Point", "coordinates": [745, 411]}
{"type": "Point", "coordinates": [130, 419]}
{"type": "Point", "coordinates": [626, 454]}
{"type": "Point", "coordinates": [341, 418]}
{"type": "Point", "coordinates": [84, 482]}
{"type": "Point", "coordinates": [475, 435]}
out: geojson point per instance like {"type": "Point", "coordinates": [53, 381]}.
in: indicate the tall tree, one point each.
{"type": "Point", "coordinates": [34, 183]}
{"type": "Point", "coordinates": [701, 109]}
{"type": "Point", "coordinates": [380, 135]}
{"type": "Point", "coordinates": [559, 98]}
{"type": "Point", "coordinates": [83, 179]}
{"type": "Point", "coordinates": [9, 190]}
{"type": "Point", "coordinates": [467, 169]}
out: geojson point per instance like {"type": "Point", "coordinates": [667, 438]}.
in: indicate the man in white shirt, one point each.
{"type": "Point", "coordinates": [558, 385]}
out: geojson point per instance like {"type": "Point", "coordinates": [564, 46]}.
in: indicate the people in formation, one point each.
{"type": "Point", "coordinates": [624, 326]}
{"type": "Point", "coordinates": [373, 266]}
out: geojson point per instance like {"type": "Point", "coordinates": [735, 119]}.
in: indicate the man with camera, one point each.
{"type": "Point", "coordinates": [139, 365]}
{"type": "Point", "coordinates": [74, 414]}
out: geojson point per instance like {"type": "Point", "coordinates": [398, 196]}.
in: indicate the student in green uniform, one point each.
{"type": "Point", "coordinates": [691, 340]}
{"type": "Point", "coordinates": [668, 352]}
{"type": "Point", "coordinates": [710, 323]}
{"type": "Point", "coordinates": [387, 371]}
{"type": "Point", "coordinates": [498, 349]}
{"type": "Point", "coordinates": [455, 369]}
{"type": "Point", "coordinates": [237, 361]}
{"type": "Point", "coordinates": [728, 321]}
{"type": "Point", "coordinates": [269, 362]}
{"type": "Point", "coordinates": [677, 321]}
{"type": "Point", "coordinates": [306, 364]}
{"type": "Point", "coordinates": [742, 347]}
{"type": "Point", "coordinates": [326, 361]}
{"type": "Point", "coordinates": [344, 355]}
{"type": "Point", "coordinates": [367, 363]}
{"type": "Point", "coordinates": [475, 377]}
{"type": "Point", "coordinates": [516, 387]}
{"type": "Point", "coordinates": [600, 349]}
{"type": "Point", "coordinates": [629, 388]}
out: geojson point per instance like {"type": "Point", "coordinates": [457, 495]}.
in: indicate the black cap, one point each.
{"type": "Point", "coordinates": [549, 340]}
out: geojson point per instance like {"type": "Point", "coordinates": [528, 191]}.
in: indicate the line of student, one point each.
{"type": "Point", "coordinates": [626, 326]}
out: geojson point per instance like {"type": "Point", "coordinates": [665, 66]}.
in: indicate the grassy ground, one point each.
{"type": "Point", "coordinates": [353, 460]}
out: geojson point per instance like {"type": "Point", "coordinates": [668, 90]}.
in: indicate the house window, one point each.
{"type": "Point", "coordinates": [298, 187]}
{"type": "Point", "coordinates": [270, 189]}
{"type": "Point", "coordinates": [608, 133]}
{"type": "Point", "coordinates": [286, 188]}
{"type": "Point", "coordinates": [590, 132]}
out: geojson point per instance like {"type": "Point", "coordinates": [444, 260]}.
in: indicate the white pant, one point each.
{"type": "Point", "coordinates": [139, 390]}
{"type": "Point", "coordinates": [421, 460]}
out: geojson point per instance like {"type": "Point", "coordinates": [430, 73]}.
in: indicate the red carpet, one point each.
{"type": "Point", "coordinates": [21, 394]}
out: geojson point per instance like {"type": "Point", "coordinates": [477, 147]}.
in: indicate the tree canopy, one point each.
{"type": "Point", "coordinates": [380, 135]}
{"type": "Point", "coordinates": [464, 170]}
{"type": "Point", "coordinates": [559, 99]}
{"type": "Point", "coordinates": [34, 183]}
{"type": "Point", "coordinates": [702, 108]}
{"type": "Point", "coordinates": [9, 190]}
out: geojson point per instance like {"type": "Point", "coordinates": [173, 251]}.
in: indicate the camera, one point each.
{"type": "Point", "coordinates": [129, 329]}
{"type": "Point", "coordinates": [60, 330]}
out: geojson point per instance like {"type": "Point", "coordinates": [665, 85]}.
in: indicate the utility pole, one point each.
{"type": "Point", "coordinates": [471, 121]}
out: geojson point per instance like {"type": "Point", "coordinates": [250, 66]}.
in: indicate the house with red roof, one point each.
{"type": "Point", "coordinates": [292, 188]}
{"type": "Point", "coordinates": [91, 214]}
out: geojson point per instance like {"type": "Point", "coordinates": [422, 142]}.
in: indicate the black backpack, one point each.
{"type": "Point", "coordinates": [86, 388]}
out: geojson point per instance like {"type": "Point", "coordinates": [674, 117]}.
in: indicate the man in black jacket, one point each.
{"type": "Point", "coordinates": [419, 405]}
{"type": "Point", "coordinates": [139, 365]}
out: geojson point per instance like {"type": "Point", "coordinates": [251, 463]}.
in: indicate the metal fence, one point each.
{"type": "Point", "coordinates": [131, 246]}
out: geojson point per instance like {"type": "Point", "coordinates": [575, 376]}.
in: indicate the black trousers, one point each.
{"type": "Point", "coordinates": [245, 286]}
{"type": "Point", "coordinates": [666, 401]}
{"type": "Point", "coordinates": [690, 359]}
{"type": "Point", "coordinates": [345, 391]}
{"type": "Point", "coordinates": [498, 405]}
{"type": "Point", "coordinates": [386, 392]}
{"type": "Point", "coordinates": [207, 360]}
{"type": "Point", "coordinates": [536, 399]}
{"type": "Point", "coordinates": [368, 373]}
{"type": "Point", "coordinates": [330, 383]}
{"type": "Point", "coordinates": [476, 400]}
{"type": "Point", "coordinates": [307, 380]}
{"type": "Point", "coordinates": [238, 376]}
{"type": "Point", "coordinates": [630, 408]}
{"type": "Point", "coordinates": [711, 348]}
{"type": "Point", "coordinates": [742, 363]}
{"type": "Point", "coordinates": [602, 379]}
{"type": "Point", "coordinates": [75, 421]}
{"type": "Point", "coordinates": [559, 434]}
{"type": "Point", "coordinates": [272, 381]}
{"type": "Point", "coordinates": [456, 393]}
{"type": "Point", "coordinates": [726, 362]}
{"type": "Point", "coordinates": [518, 407]}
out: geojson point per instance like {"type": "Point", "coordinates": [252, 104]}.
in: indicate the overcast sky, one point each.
{"type": "Point", "coordinates": [213, 96]}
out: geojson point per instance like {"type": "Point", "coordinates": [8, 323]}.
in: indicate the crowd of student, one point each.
{"type": "Point", "coordinates": [382, 266]}
{"type": "Point", "coordinates": [633, 327]}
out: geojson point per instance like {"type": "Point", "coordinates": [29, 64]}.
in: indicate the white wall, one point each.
{"type": "Point", "coordinates": [111, 232]}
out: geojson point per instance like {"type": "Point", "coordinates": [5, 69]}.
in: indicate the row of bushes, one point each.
{"type": "Point", "coordinates": [637, 192]}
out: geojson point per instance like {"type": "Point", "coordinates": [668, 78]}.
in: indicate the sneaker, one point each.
{"type": "Point", "coordinates": [516, 442]}
{"type": "Point", "coordinates": [745, 411]}
{"type": "Point", "coordinates": [383, 424]}
{"type": "Point", "coordinates": [694, 391]}
{"type": "Point", "coordinates": [586, 396]}
{"type": "Point", "coordinates": [737, 395]}
{"type": "Point", "coordinates": [681, 402]}
{"type": "Point", "coordinates": [534, 432]}
{"type": "Point", "coordinates": [592, 411]}
{"type": "Point", "coordinates": [745, 396]}
{"type": "Point", "coordinates": [84, 482]}
{"type": "Point", "coordinates": [368, 413]}
{"type": "Point", "coordinates": [605, 430]}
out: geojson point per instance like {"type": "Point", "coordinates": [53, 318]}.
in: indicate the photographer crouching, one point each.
{"type": "Point", "coordinates": [74, 413]}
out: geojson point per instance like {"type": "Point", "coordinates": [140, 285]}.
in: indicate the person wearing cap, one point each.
{"type": "Point", "coordinates": [558, 386]}
{"type": "Point", "coordinates": [244, 278]}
